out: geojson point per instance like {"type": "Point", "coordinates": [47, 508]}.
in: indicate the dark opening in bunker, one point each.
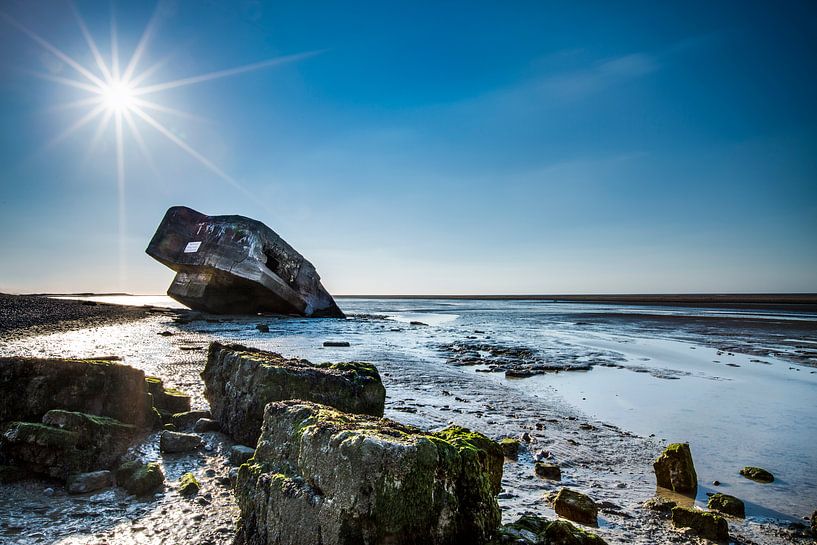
{"type": "Point", "coordinates": [271, 263]}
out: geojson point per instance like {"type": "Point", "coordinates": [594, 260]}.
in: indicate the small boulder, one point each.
{"type": "Point", "coordinates": [576, 506]}
{"type": "Point", "coordinates": [167, 400]}
{"type": "Point", "coordinates": [203, 425]}
{"type": "Point", "coordinates": [189, 418]}
{"type": "Point", "coordinates": [239, 454]}
{"type": "Point", "coordinates": [757, 474]}
{"type": "Point", "coordinates": [547, 471]}
{"type": "Point", "coordinates": [82, 483]}
{"type": "Point", "coordinates": [263, 328]}
{"type": "Point", "coordinates": [172, 441]}
{"type": "Point", "coordinates": [674, 469]}
{"type": "Point", "coordinates": [534, 530]}
{"type": "Point", "coordinates": [189, 485]}
{"type": "Point", "coordinates": [140, 479]}
{"type": "Point", "coordinates": [703, 524]}
{"type": "Point", "coordinates": [510, 447]}
{"type": "Point", "coordinates": [336, 344]}
{"type": "Point", "coordinates": [659, 504]}
{"type": "Point", "coordinates": [729, 505]}
{"type": "Point", "coordinates": [814, 524]}
{"type": "Point", "coordinates": [240, 381]}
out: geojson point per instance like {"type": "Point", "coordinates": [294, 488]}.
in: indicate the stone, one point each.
{"type": "Point", "coordinates": [66, 442]}
{"type": "Point", "coordinates": [262, 328]}
{"type": "Point", "coordinates": [189, 418]}
{"type": "Point", "coordinates": [172, 441]}
{"type": "Point", "coordinates": [140, 479]}
{"type": "Point", "coordinates": [534, 530]}
{"type": "Point", "coordinates": [189, 485]}
{"type": "Point", "coordinates": [239, 454]}
{"type": "Point", "coordinates": [726, 504]}
{"type": "Point", "coordinates": [203, 425]}
{"type": "Point", "coordinates": [510, 447]}
{"type": "Point", "coordinates": [236, 265]}
{"type": "Point", "coordinates": [167, 400]}
{"type": "Point", "coordinates": [547, 471]}
{"type": "Point", "coordinates": [240, 381]}
{"type": "Point", "coordinates": [814, 524]}
{"type": "Point", "coordinates": [30, 387]}
{"type": "Point", "coordinates": [706, 525]}
{"type": "Point", "coordinates": [324, 476]}
{"type": "Point", "coordinates": [11, 474]}
{"type": "Point", "coordinates": [674, 469]}
{"type": "Point", "coordinates": [82, 483]}
{"type": "Point", "coordinates": [576, 506]}
{"type": "Point", "coordinates": [336, 344]}
{"type": "Point", "coordinates": [757, 474]}
{"type": "Point", "coordinates": [659, 504]}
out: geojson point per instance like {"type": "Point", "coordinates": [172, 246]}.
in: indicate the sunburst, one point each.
{"type": "Point", "coordinates": [117, 98]}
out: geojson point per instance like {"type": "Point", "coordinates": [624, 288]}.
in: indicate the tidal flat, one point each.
{"type": "Point", "coordinates": [601, 388]}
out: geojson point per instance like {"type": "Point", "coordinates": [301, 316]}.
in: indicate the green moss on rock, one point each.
{"type": "Point", "coordinates": [576, 506]}
{"type": "Point", "coordinates": [189, 485]}
{"type": "Point", "coordinates": [706, 525]}
{"type": "Point", "coordinates": [140, 479]}
{"type": "Point", "coordinates": [510, 447]}
{"type": "Point", "coordinates": [729, 505]}
{"type": "Point", "coordinates": [674, 469]}
{"type": "Point", "coordinates": [534, 530]}
{"type": "Point", "coordinates": [757, 474]}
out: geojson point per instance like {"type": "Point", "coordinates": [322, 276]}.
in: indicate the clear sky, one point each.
{"type": "Point", "coordinates": [424, 147]}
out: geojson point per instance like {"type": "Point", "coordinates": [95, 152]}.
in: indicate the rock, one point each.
{"type": "Point", "coordinates": [510, 447]}
{"type": "Point", "coordinates": [417, 322]}
{"type": "Point", "coordinates": [30, 387]}
{"type": "Point", "coordinates": [236, 265]}
{"type": "Point", "coordinates": [533, 530]}
{"type": "Point", "coordinates": [336, 344]}
{"type": "Point", "coordinates": [659, 504]}
{"type": "Point", "coordinates": [263, 328]}
{"type": "Point", "coordinates": [171, 441]}
{"type": "Point", "coordinates": [323, 476]}
{"type": "Point", "coordinates": [729, 505]}
{"type": "Point", "coordinates": [814, 524]}
{"type": "Point", "coordinates": [576, 507]}
{"type": "Point", "coordinates": [140, 479]}
{"type": "Point", "coordinates": [674, 469]}
{"type": "Point", "coordinates": [239, 454]}
{"type": "Point", "coordinates": [11, 474]}
{"type": "Point", "coordinates": [240, 381]}
{"type": "Point", "coordinates": [547, 471]}
{"type": "Point", "coordinates": [706, 525]}
{"type": "Point", "coordinates": [206, 424]}
{"type": "Point", "coordinates": [66, 442]}
{"type": "Point", "coordinates": [757, 474]}
{"type": "Point", "coordinates": [188, 419]}
{"type": "Point", "coordinates": [82, 483]}
{"type": "Point", "coordinates": [169, 400]}
{"type": "Point", "coordinates": [189, 485]}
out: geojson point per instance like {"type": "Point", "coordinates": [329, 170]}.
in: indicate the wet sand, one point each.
{"type": "Point", "coordinates": [610, 464]}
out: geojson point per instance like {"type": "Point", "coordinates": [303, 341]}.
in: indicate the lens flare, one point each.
{"type": "Point", "coordinates": [118, 96]}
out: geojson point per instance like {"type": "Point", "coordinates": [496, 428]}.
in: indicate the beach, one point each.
{"type": "Point", "coordinates": [602, 387]}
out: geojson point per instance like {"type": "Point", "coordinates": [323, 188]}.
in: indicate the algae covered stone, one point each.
{"type": "Point", "coordinates": [167, 400]}
{"type": "Point", "coordinates": [534, 530]}
{"type": "Point", "coordinates": [729, 505]}
{"type": "Point", "coordinates": [674, 469]}
{"type": "Point", "coordinates": [140, 479]}
{"type": "Point", "coordinates": [240, 381]}
{"type": "Point", "coordinates": [323, 476]}
{"type": "Point", "coordinates": [706, 525]}
{"type": "Point", "coordinates": [757, 474]}
{"type": "Point", "coordinates": [510, 447]}
{"type": "Point", "coordinates": [547, 471]}
{"type": "Point", "coordinates": [189, 485]}
{"type": "Point", "coordinates": [576, 506]}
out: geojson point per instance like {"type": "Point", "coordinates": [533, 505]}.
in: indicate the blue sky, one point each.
{"type": "Point", "coordinates": [440, 147]}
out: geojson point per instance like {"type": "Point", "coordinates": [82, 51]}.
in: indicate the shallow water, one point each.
{"type": "Point", "coordinates": [738, 385]}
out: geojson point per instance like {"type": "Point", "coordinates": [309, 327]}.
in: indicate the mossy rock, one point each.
{"type": "Point", "coordinates": [757, 474]}
{"type": "Point", "coordinates": [674, 469]}
{"type": "Point", "coordinates": [189, 485]}
{"type": "Point", "coordinates": [510, 447]}
{"type": "Point", "coordinates": [729, 505]}
{"type": "Point", "coordinates": [167, 400]}
{"type": "Point", "coordinates": [703, 524]}
{"type": "Point", "coordinates": [186, 419]}
{"type": "Point", "coordinates": [140, 479]}
{"type": "Point", "coordinates": [547, 471]}
{"type": "Point", "coordinates": [322, 475]}
{"type": "Point", "coordinates": [814, 524]}
{"type": "Point", "coordinates": [240, 381]}
{"type": "Point", "coordinates": [534, 530]}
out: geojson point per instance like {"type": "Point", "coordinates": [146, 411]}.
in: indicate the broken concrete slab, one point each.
{"type": "Point", "coordinates": [236, 265]}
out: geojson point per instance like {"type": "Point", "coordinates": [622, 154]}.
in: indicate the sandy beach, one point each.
{"type": "Point", "coordinates": [601, 452]}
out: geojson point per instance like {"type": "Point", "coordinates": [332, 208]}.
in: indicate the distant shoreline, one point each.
{"type": "Point", "coordinates": [806, 302]}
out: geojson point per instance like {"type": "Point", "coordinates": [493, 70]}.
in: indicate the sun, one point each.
{"type": "Point", "coordinates": [118, 96]}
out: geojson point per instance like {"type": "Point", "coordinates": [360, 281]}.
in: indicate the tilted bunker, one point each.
{"type": "Point", "coordinates": [236, 265]}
